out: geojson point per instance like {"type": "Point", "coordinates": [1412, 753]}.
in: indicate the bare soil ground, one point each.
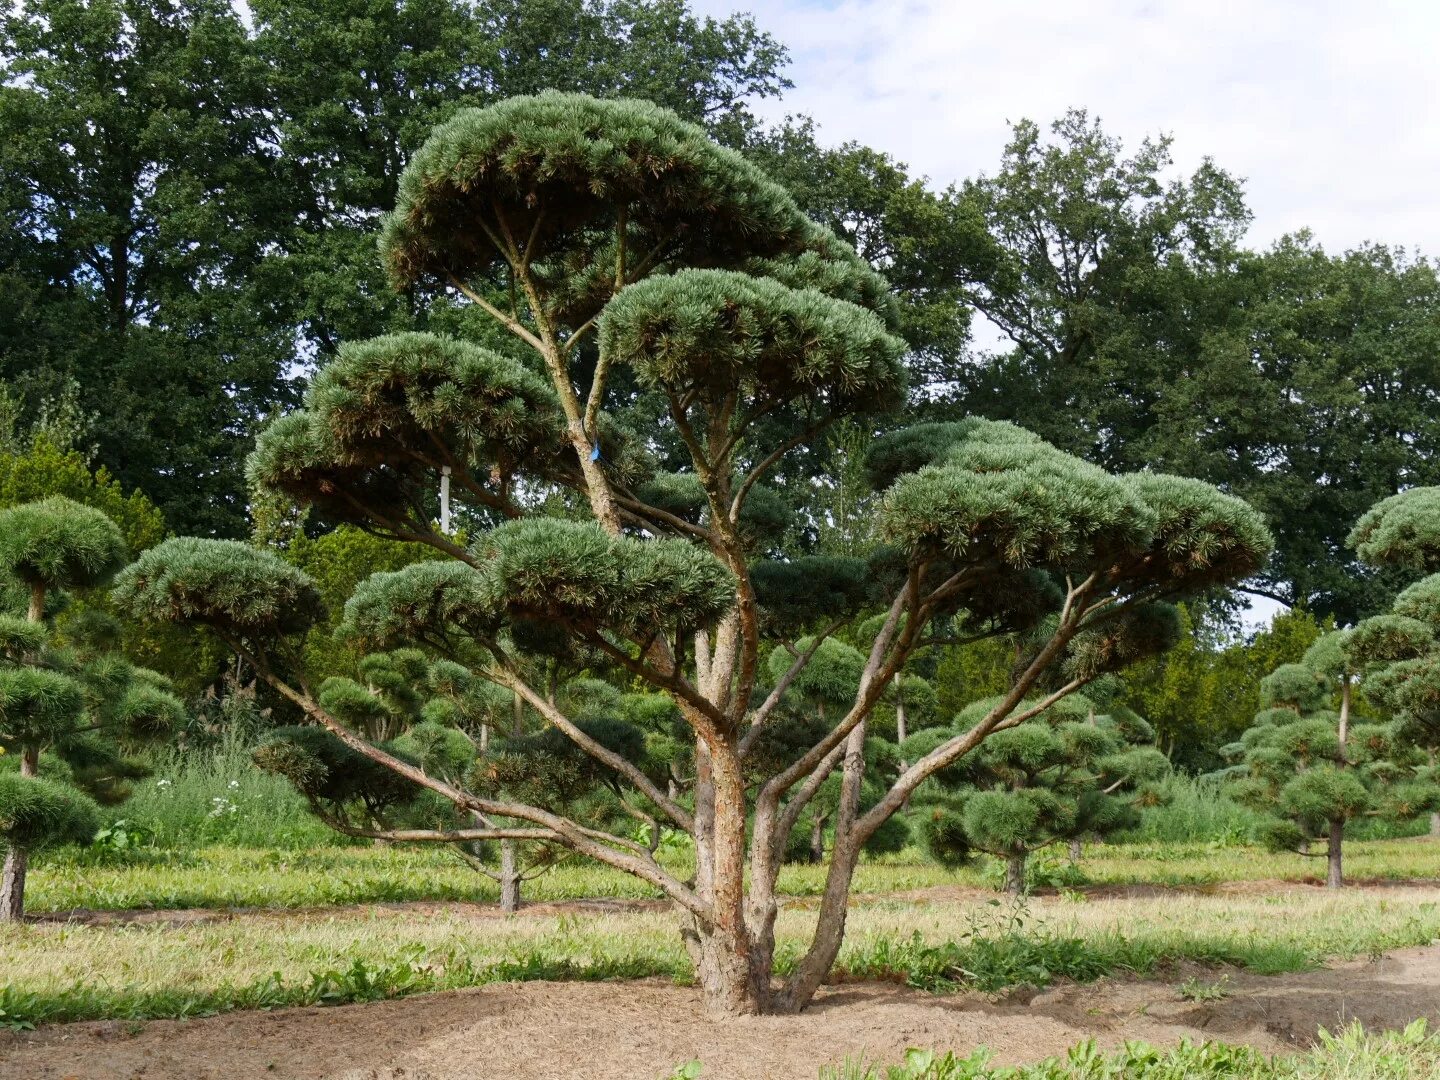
{"type": "Point", "coordinates": [641, 1030]}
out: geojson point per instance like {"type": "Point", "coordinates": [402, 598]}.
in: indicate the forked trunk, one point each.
{"type": "Point", "coordinates": [1015, 874]}
{"type": "Point", "coordinates": [815, 965]}
{"type": "Point", "coordinates": [1335, 873]}
{"type": "Point", "coordinates": [509, 879]}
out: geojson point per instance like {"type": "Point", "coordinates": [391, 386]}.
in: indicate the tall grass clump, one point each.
{"type": "Point", "coordinates": [1194, 809]}
{"type": "Point", "coordinates": [216, 795]}
{"type": "Point", "coordinates": [1200, 809]}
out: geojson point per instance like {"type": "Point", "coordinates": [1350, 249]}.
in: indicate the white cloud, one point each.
{"type": "Point", "coordinates": [1330, 109]}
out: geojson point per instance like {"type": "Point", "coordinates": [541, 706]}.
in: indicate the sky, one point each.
{"type": "Point", "coordinates": [1329, 110]}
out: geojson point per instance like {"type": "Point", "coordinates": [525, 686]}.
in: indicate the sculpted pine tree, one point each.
{"type": "Point", "coordinates": [679, 315]}
{"type": "Point", "coordinates": [1311, 768]}
{"type": "Point", "coordinates": [1400, 649]}
{"type": "Point", "coordinates": [68, 710]}
{"type": "Point", "coordinates": [1068, 774]}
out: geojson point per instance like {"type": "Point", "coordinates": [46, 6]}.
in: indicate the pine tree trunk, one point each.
{"type": "Point", "coordinates": [817, 839]}
{"type": "Point", "coordinates": [733, 975]}
{"type": "Point", "coordinates": [17, 859]}
{"type": "Point", "coordinates": [12, 885]}
{"type": "Point", "coordinates": [812, 968]}
{"type": "Point", "coordinates": [1335, 875]}
{"type": "Point", "coordinates": [509, 879]}
{"type": "Point", "coordinates": [1435, 824]}
{"type": "Point", "coordinates": [1077, 849]}
{"type": "Point", "coordinates": [1015, 874]}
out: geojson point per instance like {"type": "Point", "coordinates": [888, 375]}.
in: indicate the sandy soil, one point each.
{"type": "Point", "coordinates": [640, 1030]}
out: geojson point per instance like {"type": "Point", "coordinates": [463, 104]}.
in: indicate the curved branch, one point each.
{"type": "Point", "coordinates": [511, 680]}
{"type": "Point", "coordinates": [567, 832]}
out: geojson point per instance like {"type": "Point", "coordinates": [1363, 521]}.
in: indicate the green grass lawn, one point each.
{"type": "Point", "coordinates": [937, 941]}
{"type": "Point", "coordinates": [218, 877]}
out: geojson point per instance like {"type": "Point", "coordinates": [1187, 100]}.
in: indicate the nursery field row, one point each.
{"type": "Point", "coordinates": [226, 877]}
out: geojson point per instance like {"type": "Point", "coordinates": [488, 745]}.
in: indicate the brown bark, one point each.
{"type": "Point", "coordinates": [817, 839]}
{"type": "Point", "coordinates": [509, 879]}
{"type": "Point", "coordinates": [1015, 873]}
{"type": "Point", "coordinates": [12, 884]}
{"type": "Point", "coordinates": [17, 859]}
{"type": "Point", "coordinates": [37, 602]}
{"type": "Point", "coordinates": [810, 972]}
{"type": "Point", "coordinates": [731, 983]}
{"type": "Point", "coordinates": [1334, 870]}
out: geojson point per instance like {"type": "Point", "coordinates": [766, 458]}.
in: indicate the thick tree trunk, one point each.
{"type": "Point", "coordinates": [509, 879]}
{"type": "Point", "coordinates": [1015, 874]}
{"type": "Point", "coordinates": [1335, 874]}
{"type": "Point", "coordinates": [1435, 824]}
{"type": "Point", "coordinates": [734, 977]}
{"type": "Point", "coordinates": [37, 602]}
{"type": "Point", "coordinates": [1077, 849]}
{"type": "Point", "coordinates": [17, 859]}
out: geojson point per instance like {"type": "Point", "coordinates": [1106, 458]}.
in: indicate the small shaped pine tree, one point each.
{"type": "Point", "coordinates": [1311, 768]}
{"type": "Point", "coordinates": [1400, 649]}
{"type": "Point", "coordinates": [1068, 774]}
{"type": "Point", "coordinates": [69, 707]}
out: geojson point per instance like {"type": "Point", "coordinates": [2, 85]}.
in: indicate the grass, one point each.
{"type": "Point", "coordinates": [59, 971]}
{"type": "Point", "coordinates": [1199, 809]}
{"type": "Point", "coordinates": [218, 796]}
{"type": "Point", "coordinates": [226, 877]}
{"type": "Point", "coordinates": [1352, 1054]}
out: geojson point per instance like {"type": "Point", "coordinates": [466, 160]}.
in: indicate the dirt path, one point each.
{"type": "Point", "coordinates": [640, 1030]}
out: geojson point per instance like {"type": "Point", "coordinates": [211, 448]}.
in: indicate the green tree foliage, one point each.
{"type": "Point", "coordinates": [1077, 248]}
{"type": "Point", "coordinates": [1203, 694]}
{"type": "Point", "coordinates": [186, 193]}
{"type": "Point", "coordinates": [437, 715]}
{"type": "Point", "coordinates": [1070, 774]}
{"type": "Point", "coordinates": [140, 198]}
{"type": "Point", "coordinates": [337, 561]}
{"type": "Point", "coordinates": [70, 707]}
{"type": "Point", "coordinates": [896, 224]}
{"type": "Point", "coordinates": [679, 314]}
{"type": "Point", "coordinates": [1312, 769]}
{"type": "Point", "coordinates": [1140, 334]}
{"type": "Point", "coordinates": [1398, 648]}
